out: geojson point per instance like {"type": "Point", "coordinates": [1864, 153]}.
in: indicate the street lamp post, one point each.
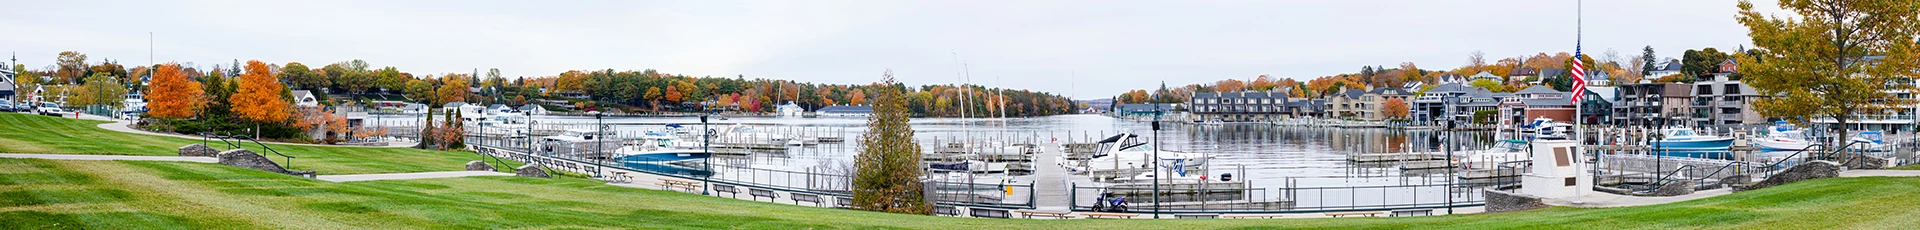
{"type": "Point", "coordinates": [1450, 178]}
{"type": "Point", "coordinates": [1154, 164]}
{"type": "Point", "coordinates": [708, 161]}
{"type": "Point", "coordinates": [599, 136]}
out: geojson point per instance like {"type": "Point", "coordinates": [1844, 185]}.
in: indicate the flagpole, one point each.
{"type": "Point", "coordinates": [1579, 135]}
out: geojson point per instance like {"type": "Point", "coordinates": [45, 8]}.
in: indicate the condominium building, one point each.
{"type": "Point", "coordinates": [1239, 106]}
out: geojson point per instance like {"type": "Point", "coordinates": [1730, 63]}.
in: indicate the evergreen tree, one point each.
{"type": "Point", "coordinates": [887, 172]}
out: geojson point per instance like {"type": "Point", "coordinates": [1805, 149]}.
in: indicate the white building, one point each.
{"type": "Point", "coordinates": [304, 98]}
{"type": "Point", "coordinates": [791, 110]}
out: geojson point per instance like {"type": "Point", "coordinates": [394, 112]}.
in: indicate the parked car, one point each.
{"type": "Point", "coordinates": [6, 106]}
{"type": "Point", "coordinates": [50, 109]}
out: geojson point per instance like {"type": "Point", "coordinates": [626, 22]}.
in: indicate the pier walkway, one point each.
{"type": "Point", "coordinates": [1049, 179]}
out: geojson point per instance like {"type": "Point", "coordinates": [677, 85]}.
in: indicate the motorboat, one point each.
{"type": "Point", "coordinates": [1683, 139]}
{"type": "Point", "coordinates": [581, 143]}
{"type": "Point", "coordinates": [1546, 129]}
{"type": "Point", "coordinates": [1125, 151]}
{"type": "Point", "coordinates": [1505, 151]}
{"type": "Point", "coordinates": [1782, 137]}
{"type": "Point", "coordinates": [661, 147]}
{"type": "Point", "coordinates": [1872, 141]}
{"type": "Point", "coordinates": [974, 166]}
{"type": "Point", "coordinates": [1175, 174]}
{"type": "Point", "coordinates": [969, 181]}
{"type": "Point", "coordinates": [751, 134]}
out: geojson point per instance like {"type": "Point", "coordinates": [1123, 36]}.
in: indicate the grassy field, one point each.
{"type": "Point", "coordinates": [46, 194]}
{"type": "Point", "coordinates": [26, 133]}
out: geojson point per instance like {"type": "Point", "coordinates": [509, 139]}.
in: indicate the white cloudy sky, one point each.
{"type": "Point", "coordinates": [1088, 49]}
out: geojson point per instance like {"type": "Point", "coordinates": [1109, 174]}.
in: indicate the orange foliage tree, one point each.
{"type": "Point", "coordinates": [1394, 108]}
{"type": "Point", "coordinates": [172, 95]}
{"type": "Point", "coordinates": [259, 96]}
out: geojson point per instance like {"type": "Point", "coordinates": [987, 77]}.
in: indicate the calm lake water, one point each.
{"type": "Point", "coordinates": [1267, 154]}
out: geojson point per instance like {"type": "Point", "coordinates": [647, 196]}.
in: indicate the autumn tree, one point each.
{"type": "Point", "coordinates": [172, 95]}
{"type": "Point", "coordinates": [303, 78]}
{"type": "Point", "coordinates": [71, 66]}
{"type": "Point", "coordinates": [454, 90]}
{"type": "Point", "coordinates": [887, 171]}
{"type": "Point", "coordinates": [1490, 85]}
{"type": "Point", "coordinates": [1837, 59]}
{"type": "Point", "coordinates": [100, 89]}
{"type": "Point", "coordinates": [1229, 85]}
{"type": "Point", "coordinates": [856, 97]}
{"type": "Point", "coordinates": [259, 99]}
{"type": "Point", "coordinates": [1394, 108]}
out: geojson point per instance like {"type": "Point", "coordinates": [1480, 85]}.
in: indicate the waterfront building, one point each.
{"type": "Point", "coordinates": [1131, 110]}
{"type": "Point", "coordinates": [1721, 100]}
{"type": "Point", "coordinates": [790, 110]}
{"type": "Point", "coordinates": [1663, 69]}
{"type": "Point", "coordinates": [1534, 103]}
{"type": "Point", "coordinates": [1658, 103]}
{"type": "Point", "coordinates": [1302, 107]}
{"type": "Point", "coordinates": [845, 111]}
{"type": "Point", "coordinates": [1453, 102]}
{"type": "Point", "coordinates": [1239, 106]}
{"type": "Point", "coordinates": [1597, 106]}
{"type": "Point", "coordinates": [1484, 75]}
{"type": "Point", "coordinates": [1365, 105]}
{"type": "Point", "coordinates": [534, 109]}
{"type": "Point", "coordinates": [1896, 119]}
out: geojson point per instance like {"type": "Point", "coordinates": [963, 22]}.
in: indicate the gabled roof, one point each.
{"type": "Point", "coordinates": [531, 107]}
{"type": "Point", "coordinates": [1550, 72]}
{"type": "Point", "coordinates": [1538, 89]}
{"type": "Point", "coordinates": [1241, 94]}
{"type": "Point", "coordinates": [497, 107]}
{"type": "Point", "coordinates": [1605, 93]}
{"type": "Point", "coordinates": [302, 94]}
{"type": "Point", "coordinates": [1523, 71]}
{"type": "Point", "coordinates": [1390, 91]}
{"type": "Point", "coordinates": [1451, 88]}
{"type": "Point", "coordinates": [1547, 102]}
{"type": "Point", "coordinates": [454, 104]}
{"type": "Point", "coordinates": [1670, 66]}
{"type": "Point", "coordinates": [1484, 74]}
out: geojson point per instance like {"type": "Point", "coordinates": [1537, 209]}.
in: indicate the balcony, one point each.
{"type": "Point", "coordinates": [1725, 117]}
{"type": "Point", "coordinates": [1732, 103]}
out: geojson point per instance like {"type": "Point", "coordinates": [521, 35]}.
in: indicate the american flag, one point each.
{"type": "Point", "coordinates": [1579, 76]}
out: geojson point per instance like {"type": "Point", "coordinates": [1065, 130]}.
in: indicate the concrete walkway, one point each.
{"type": "Point", "coordinates": [109, 157]}
{"type": "Point", "coordinates": [408, 176]}
{"type": "Point", "coordinates": [1880, 172]}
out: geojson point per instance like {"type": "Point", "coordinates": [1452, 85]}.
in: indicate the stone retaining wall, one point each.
{"type": "Point", "coordinates": [530, 171]}
{"type": "Point", "coordinates": [1498, 201]}
{"type": "Point", "coordinates": [1804, 171]}
{"type": "Point", "coordinates": [1675, 188]}
{"type": "Point", "coordinates": [198, 150]}
{"type": "Point", "coordinates": [248, 159]}
{"type": "Point", "coordinates": [478, 165]}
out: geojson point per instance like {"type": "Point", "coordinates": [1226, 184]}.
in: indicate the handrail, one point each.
{"type": "Point", "coordinates": [1662, 180]}
{"type": "Point", "coordinates": [262, 146]}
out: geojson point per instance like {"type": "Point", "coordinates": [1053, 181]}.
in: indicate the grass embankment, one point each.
{"type": "Point", "coordinates": [1907, 167]}
{"type": "Point", "coordinates": [38, 194]}
{"type": "Point", "coordinates": [26, 133]}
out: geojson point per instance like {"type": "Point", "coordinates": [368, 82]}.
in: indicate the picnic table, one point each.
{"type": "Point", "coordinates": [1056, 214]}
{"type": "Point", "coordinates": [620, 177]}
{"type": "Point", "coordinates": [1092, 215]}
{"type": "Point", "coordinates": [671, 183]}
{"type": "Point", "coordinates": [1413, 212]}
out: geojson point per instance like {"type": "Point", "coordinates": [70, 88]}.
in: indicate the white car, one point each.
{"type": "Point", "coordinates": [49, 109]}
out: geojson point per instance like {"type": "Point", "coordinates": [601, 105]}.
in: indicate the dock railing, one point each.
{"type": "Point", "coordinates": [1302, 200]}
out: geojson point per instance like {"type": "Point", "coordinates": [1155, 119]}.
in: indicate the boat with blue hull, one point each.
{"type": "Point", "coordinates": [1682, 139]}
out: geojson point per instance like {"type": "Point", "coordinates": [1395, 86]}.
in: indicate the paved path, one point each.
{"type": "Point", "coordinates": [1050, 179]}
{"type": "Point", "coordinates": [408, 176]}
{"type": "Point", "coordinates": [124, 126]}
{"type": "Point", "coordinates": [1880, 172]}
{"type": "Point", "coordinates": [109, 157]}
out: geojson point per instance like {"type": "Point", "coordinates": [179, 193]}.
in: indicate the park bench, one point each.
{"type": "Point", "coordinates": [1341, 214]}
{"type": "Point", "coordinates": [1413, 212]}
{"type": "Point", "coordinates": [757, 193]}
{"type": "Point", "coordinates": [1250, 216]}
{"type": "Point", "coordinates": [1056, 214]}
{"type": "Point", "coordinates": [946, 210]}
{"type": "Point", "coordinates": [1094, 215]}
{"type": "Point", "coordinates": [843, 202]}
{"type": "Point", "coordinates": [989, 213]}
{"type": "Point", "coordinates": [727, 189]}
{"type": "Point", "coordinates": [1196, 216]}
{"type": "Point", "coordinates": [797, 198]}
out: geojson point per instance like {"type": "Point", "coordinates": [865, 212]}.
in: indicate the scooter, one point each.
{"type": "Point", "coordinates": [1109, 203]}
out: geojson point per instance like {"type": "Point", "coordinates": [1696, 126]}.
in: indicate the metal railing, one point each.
{"type": "Point", "coordinates": [1288, 199]}
{"type": "Point", "coordinates": [1663, 181]}
{"type": "Point", "coordinates": [243, 138]}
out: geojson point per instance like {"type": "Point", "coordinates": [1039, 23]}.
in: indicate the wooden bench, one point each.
{"type": "Point", "coordinates": [843, 202]}
{"type": "Point", "coordinates": [758, 193]}
{"type": "Point", "coordinates": [1250, 216]}
{"type": "Point", "coordinates": [1056, 214]}
{"type": "Point", "coordinates": [727, 189]}
{"type": "Point", "coordinates": [1341, 214]}
{"type": "Point", "coordinates": [1413, 212]}
{"type": "Point", "coordinates": [1196, 216]}
{"type": "Point", "coordinates": [1093, 215]}
{"type": "Point", "coordinates": [989, 213]}
{"type": "Point", "coordinates": [797, 198]}
{"type": "Point", "coordinates": [946, 210]}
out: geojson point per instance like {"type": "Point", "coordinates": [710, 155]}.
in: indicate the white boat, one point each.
{"type": "Point", "coordinates": [1502, 152]}
{"type": "Point", "coordinates": [1782, 137]}
{"type": "Point", "coordinates": [1166, 176]}
{"type": "Point", "coordinates": [1546, 129]}
{"type": "Point", "coordinates": [1124, 151]}
{"type": "Point", "coordinates": [580, 143]}
{"type": "Point", "coordinates": [969, 181]}
{"type": "Point", "coordinates": [660, 147]}
{"type": "Point", "coordinates": [1867, 141]}
{"type": "Point", "coordinates": [737, 133]}
{"type": "Point", "coordinates": [1683, 139]}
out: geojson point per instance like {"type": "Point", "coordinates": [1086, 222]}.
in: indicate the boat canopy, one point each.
{"type": "Point", "coordinates": [1116, 137]}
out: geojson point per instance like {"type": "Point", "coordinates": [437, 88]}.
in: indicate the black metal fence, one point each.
{"type": "Point", "coordinates": [1288, 199]}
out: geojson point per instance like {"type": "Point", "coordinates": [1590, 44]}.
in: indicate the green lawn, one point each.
{"type": "Point", "coordinates": [1907, 167]}
{"type": "Point", "coordinates": [41, 194]}
{"type": "Point", "coordinates": [26, 133]}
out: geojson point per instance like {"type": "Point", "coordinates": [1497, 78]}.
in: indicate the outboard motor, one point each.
{"type": "Point", "coordinates": [1226, 177]}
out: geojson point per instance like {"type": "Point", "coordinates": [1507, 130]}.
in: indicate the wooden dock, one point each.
{"type": "Point", "coordinates": [1425, 164]}
{"type": "Point", "coordinates": [1385, 157]}
{"type": "Point", "coordinates": [1472, 174]}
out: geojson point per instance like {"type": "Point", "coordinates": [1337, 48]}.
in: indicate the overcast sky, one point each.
{"type": "Point", "coordinates": [1086, 49]}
